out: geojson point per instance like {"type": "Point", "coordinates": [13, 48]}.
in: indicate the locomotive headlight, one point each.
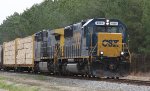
{"type": "Point", "coordinates": [102, 53]}
{"type": "Point", "coordinates": [107, 20]}
{"type": "Point", "coordinates": [107, 23]}
{"type": "Point", "coordinates": [122, 53]}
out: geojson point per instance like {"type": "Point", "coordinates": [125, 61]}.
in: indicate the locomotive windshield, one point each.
{"type": "Point", "coordinates": [95, 26]}
{"type": "Point", "coordinates": [109, 29]}
{"type": "Point", "coordinates": [109, 26]}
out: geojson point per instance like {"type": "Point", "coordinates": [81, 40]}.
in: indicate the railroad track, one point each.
{"type": "Point", "coordinates": [126, 81]}
{"type": "Point", "coordinates": [120, 81]}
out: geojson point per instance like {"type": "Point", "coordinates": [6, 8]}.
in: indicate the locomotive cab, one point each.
{"type": "Point", "coordinates": [106, 42]}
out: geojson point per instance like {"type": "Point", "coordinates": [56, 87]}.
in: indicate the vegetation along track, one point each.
{"type": "Point", "coordinates": [126, 81]}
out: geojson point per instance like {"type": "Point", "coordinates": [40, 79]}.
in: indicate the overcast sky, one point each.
{"type": "Point", "coordinates": [8, 7]}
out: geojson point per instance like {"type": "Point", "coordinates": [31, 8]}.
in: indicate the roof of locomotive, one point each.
{"type": "Point", "coordinates": [88, 22]}
{"type": "Point", "coordinates": [92, 21]}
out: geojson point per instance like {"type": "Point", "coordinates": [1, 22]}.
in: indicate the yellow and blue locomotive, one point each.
{"type": "Point", "coordinates": [94, 47]}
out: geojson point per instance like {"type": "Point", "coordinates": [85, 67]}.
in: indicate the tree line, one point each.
{"type": "Point", "coordinates": [51, 14]}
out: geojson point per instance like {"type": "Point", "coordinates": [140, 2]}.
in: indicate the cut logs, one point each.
{"type": "Point", "coordinates": [19, 52]}
{"type": "Point", "coordinates": [25, 51]}
{"type": "Point", "coordinates": [9, 53]}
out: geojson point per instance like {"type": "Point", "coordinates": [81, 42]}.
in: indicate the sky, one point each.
{"type": "Point", "coordinates": [8, 7]}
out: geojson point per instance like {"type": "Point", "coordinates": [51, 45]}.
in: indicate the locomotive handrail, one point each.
{"type": "Point", "coordinates": [92, 49]}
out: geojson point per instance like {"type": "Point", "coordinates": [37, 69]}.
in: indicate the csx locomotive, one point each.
{"type": "Point", "coordinates": [93, 47]}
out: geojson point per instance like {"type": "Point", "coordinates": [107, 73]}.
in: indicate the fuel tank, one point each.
{"type": "Point", "coordinates": [43, 67]}
{"type": "Point", "coordinates": [72, 67]}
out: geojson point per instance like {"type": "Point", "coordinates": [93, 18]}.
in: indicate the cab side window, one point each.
{"type": "Point", "coordinates": [68, 32]}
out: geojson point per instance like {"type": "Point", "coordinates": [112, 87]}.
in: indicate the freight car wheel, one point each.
{"type": "Point", "coordinates": [6, 69]}
{"type": "Point", "coordinates": [18, 70]}
{"type": "Point", "coordinates": [29, 70]}
{"type": "Point", "coordinates": [15, 69]}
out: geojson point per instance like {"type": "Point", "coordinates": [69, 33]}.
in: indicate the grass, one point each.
{"type": "Point", "coordinates": [41, 77]}
{"type": "Point", "coordinates": [36, 77]}
{"type": "Point", "coordinates": [15, 87]}
{"type": "Point", "coordinates": [2, 78]}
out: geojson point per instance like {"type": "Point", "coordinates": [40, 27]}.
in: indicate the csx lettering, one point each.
{"type": "Point", "coordinates": [110, 43]}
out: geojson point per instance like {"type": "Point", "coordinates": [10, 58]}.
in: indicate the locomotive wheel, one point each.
{"type": "Point", "coordinates": [117, 77]}
{"type": "Point", "coordinates": [112, 77]}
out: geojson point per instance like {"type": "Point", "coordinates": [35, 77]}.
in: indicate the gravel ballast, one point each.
{"type": "Point", "coordinates": [48, 83]}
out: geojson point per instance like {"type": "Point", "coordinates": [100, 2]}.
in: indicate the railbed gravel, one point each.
{"type": "Point", "coordinates": [80, 85]}
{"type": "Point", "coordinates": [99, 85]}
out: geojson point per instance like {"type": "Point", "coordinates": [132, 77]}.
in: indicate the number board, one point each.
{"type": "Point", "coordinates": [99, 23]}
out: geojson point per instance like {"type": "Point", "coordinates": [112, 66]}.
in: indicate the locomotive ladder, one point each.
{"type": "Point", "coordinates": [56, 55]}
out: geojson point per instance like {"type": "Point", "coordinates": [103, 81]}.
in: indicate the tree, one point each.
{"type": "Point", "coordinates": [52, 14]}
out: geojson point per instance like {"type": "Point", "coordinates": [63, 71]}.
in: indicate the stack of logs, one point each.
{"type": "Point", "coordinates": [9, 53]}
{"type": "Point", "coordinates": [19, 52]}
{"type": "Point", "coordinates": [25, 51]}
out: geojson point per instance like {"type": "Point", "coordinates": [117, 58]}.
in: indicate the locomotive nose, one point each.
{"type": "Point", "coordinates": [109, 44]}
